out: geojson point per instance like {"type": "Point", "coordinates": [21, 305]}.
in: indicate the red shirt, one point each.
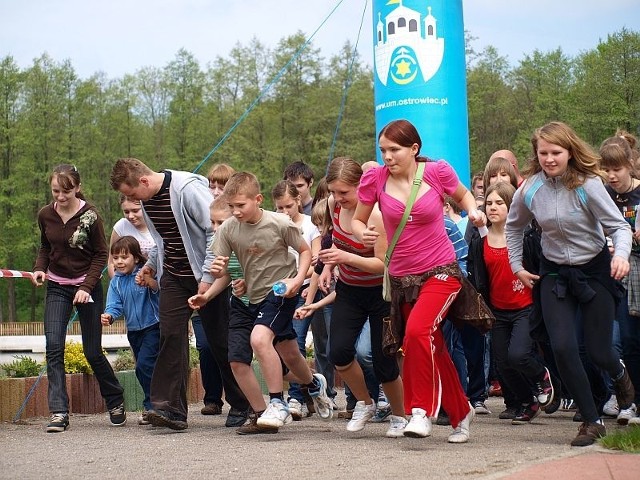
{"type": "Point", "coordinates": [506, 291]}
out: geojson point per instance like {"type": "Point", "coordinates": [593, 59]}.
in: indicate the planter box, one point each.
{"type": "Point", "coordinates": [83, 391]}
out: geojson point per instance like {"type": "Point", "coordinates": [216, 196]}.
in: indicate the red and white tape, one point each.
{"type": "Point", "coordinates": [15, 274]}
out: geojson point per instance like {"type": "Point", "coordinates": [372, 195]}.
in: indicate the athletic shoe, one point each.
{"type": "Point", "coordinates": [321, 401]}
{"type": "Point", "coordinates": [143, 420]}
{"type": "Point", "coordinates": [635, 421]}
{"type": "Point", "coordinates": [211, 409]}
{"type": "Point", "coordinates": [569, 404]}
{"type": "Point", "coordinates": [118, 416]}
{"type": "Point", "coordinates": [275, 416]}
{"type": "Point", "coordinates": [334, 405]}
{"type": "Point", "coordinates": [480, 408]}
{"type": "Point", "coordinates": [625, 393]}
{"type": "Point", "coordinates": [383, 411]}
{"type": "Point", "coordinates": [508, 413]}
{"type": "Point", "coordinates": [396, 426]}
{"type": "Point", "coordinates": [236, 417]}
{"type": "Point", "coordinates": [419, 426]}
{"type": "Point", "coordinates": [163, 418]}
{"type": "Point", "coordinates": [295, 409]}
{"type": "Point", "coordinates": [611, 408]}
{"type": "Point", "coordinates": [361, 415]}
{"type": "Point", "coordinates": [626, 414]}
{"type": "Point", "coordinates": [58, 422]}
{"type": "Point", "coordinates": [588, 433]}
{"type": "Point", "coordinates": [526, 413]}
{"type": "Point", "coordinates": [544, 389]}
{"type": "Point", "coordinates": [461, 432]}
{"type": "Point", "coordinates": [251, 426]}
{"type": "Point", "coordinates": [577, 417]}
{"type": "Point", "coordinates": [553, 406]}
{"type": "Point", "coordinates": [443, 418]}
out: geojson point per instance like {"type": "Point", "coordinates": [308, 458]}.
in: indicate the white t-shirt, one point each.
{"type": "Point", "coordinates": [123, 227]}
{"type": "Point", "coordinates": [309, 232]}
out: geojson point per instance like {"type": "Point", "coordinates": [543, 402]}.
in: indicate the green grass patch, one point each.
{"type": "Point", "coordinates": [626, 440]}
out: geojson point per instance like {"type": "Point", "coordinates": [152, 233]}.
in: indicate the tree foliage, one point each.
{"type": "Point", "coordinates": [172, 116]}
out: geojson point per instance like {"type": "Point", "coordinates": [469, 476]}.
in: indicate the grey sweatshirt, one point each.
{"type": "Point", "coordinates": [573, 228]}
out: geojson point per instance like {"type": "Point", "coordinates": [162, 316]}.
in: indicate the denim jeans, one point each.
{"type": "Point", "coordinates": [57, 310]}
{"type": "Point", "coordinates": [209, 370]}
{"type": "Point", "coordinates": [365, 358]}
{"type": "Point", "coordinates": [456, 351]}
{"type": "Point", "coordinates": [145, 345]}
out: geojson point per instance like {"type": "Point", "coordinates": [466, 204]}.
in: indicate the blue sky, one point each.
{"type": "Point", "coordinates": [121, 36]}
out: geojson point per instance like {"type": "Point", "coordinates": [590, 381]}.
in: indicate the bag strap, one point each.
{"type": "Point", "coordinates": [417, 181]}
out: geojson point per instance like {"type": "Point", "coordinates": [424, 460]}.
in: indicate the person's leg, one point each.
{"type": "Point", "coordinates": [209, 371]}
{"type": "Point", "coordinates": [501, 335]}
{"type": "Point", "coordinates": [521, 355]}
{"type": "Point", "coordinates": [474, 344]}
{"type": "Point", "coordinates": [169, 380]}
{"type": "Point", "coordinates": [320, 331]}
{"type": "Point", "coordinates": [301, 327]}
{"type": "Point", "coordinates": [559, 315]}
{"type": "Point", "coordinates": [427, 365]}
{"type": "Point", "coordinates": [57, 309]}
{"type": "Point", "coordinates": [456, 351]}
{"type": "Point", "coordinates": [215, 320]}
{"type": "Point", "coordinates": [364, 356]}
{"type": "Point", "coordinates": [89, 316]}
{"type": "Point", "coordinates": [630, 339]}
{"type": "Point", "coordinates": [144, 344]}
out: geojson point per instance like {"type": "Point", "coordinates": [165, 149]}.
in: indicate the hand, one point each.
{"type": "Point", "coordinates": [619, 267]}
{"type": "Point", "coordinates": [203, 287]}
{"type": "Point", "coordinates": [304, 311]}
{"type": "Point", "coordinates": [527, 279]}
{"type": "Point", "coordinates": [38, 278]}
{"type": "Point", "coordinates": [81, 297]}
{"type": "Point", "coordinates": [219, 266]}
{"type": "Point", "coordinates": [333, 256]}
{"type": "Point", "coordinates": [105, 319]}
{"type": "Point", "coordinates": [143, 275]}
{"type": "Point", "coordinates": [370, 236]}
{"type": "Point", "coordinates": [197, 301]}
{"type": "Point", "coordinates": [292, 287]}
{"type": "Point", "coordinates": [304, 293]}
{"type": "Point", "coordinates": [239, 287]}
{"type": "Point", "coordinates": [478, 218]}
{"type": "Point", "coordinates": [324, 280]}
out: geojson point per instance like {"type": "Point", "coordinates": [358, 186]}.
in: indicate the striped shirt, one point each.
{"type": "Point", "coordinates": [234, 269]}
{"type": "Point", "coordinates": [349, 243]}
{"type": "Point", "coordinates": [158, 208]}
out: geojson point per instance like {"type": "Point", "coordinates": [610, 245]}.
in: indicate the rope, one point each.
{"type": "Point", "coordinates": [347, 84]}
{"type": "Point", "coordinates": [5, 273]}
{"type": "Point", "coordinates": [264, 91]}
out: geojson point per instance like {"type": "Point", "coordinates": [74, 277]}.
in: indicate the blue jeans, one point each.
{"type": "Point", "coordinates": [365, 358]}
{"type": "Point", "coordinates": [209, 370]}
{"type": "Point", "coordinates": [145, 345]}
{"type": "Point", "coordinates": [456, 350]}
{"type": "Point", "coordinates": [57, 310]}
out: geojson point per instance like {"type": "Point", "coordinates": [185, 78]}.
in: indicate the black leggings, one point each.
{"type": "Point", "coordinates": [597, 323]}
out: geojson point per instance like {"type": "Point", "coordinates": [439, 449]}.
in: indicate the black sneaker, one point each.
{"type": "Point", "coordinates": [118, 416]}
{"type": "Point", "coordinates": [59, 422]}
{"type": "Point", "coordinates": [236, 417]}
{"type": "Point", "coordinates": [553, 406]}
{"type": "Point", "coordinates": [163, 418]}
{"type": "Point", "coordinates": [443, 418]}
{"type": "Point", "coordinates": [526, 413]}
{"type": "Point", "coordinates": [508, 413]}
{"type": "Point", "coordinates": [544, 389]}
{"type": "Point", "coordinates": [588, 433]}
{"type": "Point", "coordinates": [625, 393]}
{"type": "Point", "coordinates": [577, 417]}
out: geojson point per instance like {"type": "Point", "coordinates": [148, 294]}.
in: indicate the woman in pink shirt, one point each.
{"type": "Point", "coordinates": [423, 270]}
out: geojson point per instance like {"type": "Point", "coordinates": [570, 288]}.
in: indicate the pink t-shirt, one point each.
{"type": "Point", "coordinates": [423, 244]}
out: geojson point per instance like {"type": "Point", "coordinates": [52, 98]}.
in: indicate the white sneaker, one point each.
{"type": "Point", "coordinates": [634, 421]}
{"type": "Point", "coordinates": [461, 432]}
{"type": "Point", "coordinates": [295, 409]}
{"type": "Point", "coordinates": [396, 426]}
{"type": "Point", "coordinates": [361, 415]}
{"type": "Point", "coordinates": [419, 426]}
{"type": "Point", "coordinates": [276, 415]}
{"type": "Point", "coordinates": [611, 408]}
{"type": "Point", "coordinates": [626, 414]}
{"type": "Point", "coordinates": [321, 401]}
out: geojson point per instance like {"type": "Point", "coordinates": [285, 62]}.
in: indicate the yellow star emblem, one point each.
{"type": "Point", "coordinates": [403, 68]}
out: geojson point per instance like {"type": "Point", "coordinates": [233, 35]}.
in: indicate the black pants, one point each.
{"type": "Point", "coordinates": [169, 381]}
{"type": "Point", "coordinates": [597, 323]}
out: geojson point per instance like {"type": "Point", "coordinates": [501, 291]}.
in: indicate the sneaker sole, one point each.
{"type": "Point", "coordinates": [412, 434]}
{"type": "Point", "coordinates": [56, 429]}
{"type": "Point", "coordinates": [258, 431]}
{"type": "Point", "coordinates": [158, 420]}
{"type": "Point", "coordinates": [121, 424]}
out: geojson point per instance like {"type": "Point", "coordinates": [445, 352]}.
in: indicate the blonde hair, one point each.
{"type": "Point", "coordinates": [242, 183]}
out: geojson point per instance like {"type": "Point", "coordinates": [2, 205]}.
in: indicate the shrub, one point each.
{"type": "Point", "coordinates": [21, 367]}
{"type": "Point", "coordinates": [74, 359]}
{"type": "Point", "coordinates": [194, 357]}
{"type": "Point", "coordinates": [124, 360]}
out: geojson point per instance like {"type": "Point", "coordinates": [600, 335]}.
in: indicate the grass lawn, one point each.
{"type": "Point", "coordinates": [627, 440]}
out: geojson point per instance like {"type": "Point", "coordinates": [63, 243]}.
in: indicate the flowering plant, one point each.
{"type": "Point", "coordinates": [81, 236]}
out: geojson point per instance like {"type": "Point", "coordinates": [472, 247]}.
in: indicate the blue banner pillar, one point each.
{"type": "Point", "coordinates": [420, 75]}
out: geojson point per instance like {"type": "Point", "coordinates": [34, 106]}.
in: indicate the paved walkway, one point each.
{"type": "Point", "coordinates": [308, 449]}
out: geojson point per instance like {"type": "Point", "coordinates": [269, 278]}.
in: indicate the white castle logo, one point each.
{"type": "Point", "coordinates": [406, 46]}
